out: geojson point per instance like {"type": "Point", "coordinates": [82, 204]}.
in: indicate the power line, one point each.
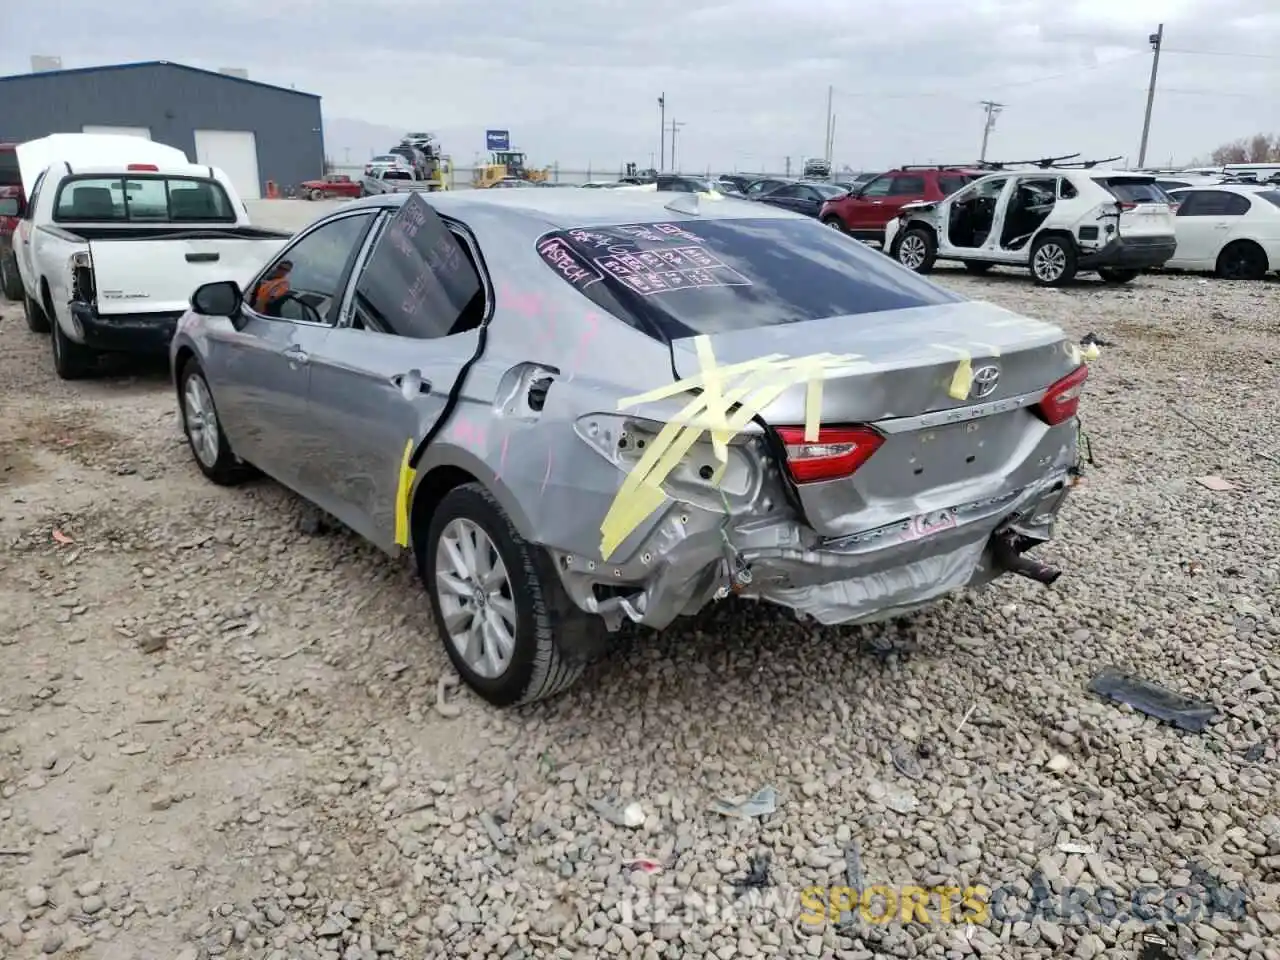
{"type": "Point", "coordinates": [1222, 53]}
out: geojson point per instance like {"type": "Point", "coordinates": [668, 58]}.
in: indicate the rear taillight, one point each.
{"type": "Point", "coordinates": [837, 452]}
{"type": "Point", "coordinates": [1126, 205]}
{"type": "Point", "coordinates": [143, 166]}
{"type": "Point", "coordinates": [1062, 400]}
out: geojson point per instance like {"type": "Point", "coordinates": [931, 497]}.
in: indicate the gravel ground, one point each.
{"type": "Point", "coordinates": [222, 732]}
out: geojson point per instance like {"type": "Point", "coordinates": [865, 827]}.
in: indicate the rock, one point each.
{"type": "Point", "coordinates": [53, 941]}
{"type": "Point", "coordinates": [1059, 763]}
{"type": "Point", "coordinates": [36, 897]}
{"type": "Point", "coordinates": [92, 905]}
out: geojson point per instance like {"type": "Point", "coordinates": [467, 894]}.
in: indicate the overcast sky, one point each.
{"type": "Point", "coordinates": [578, 82]}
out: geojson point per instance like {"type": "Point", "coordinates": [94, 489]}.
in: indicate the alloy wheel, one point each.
{"type": "Point", "coordinates": [911, 251]}
{"type": "Point", "coordinates": [1050, 262]}
{"type": "Point", "coordinates": [201, 421]}
{"type": "Point", "coordinates": [476, 600]}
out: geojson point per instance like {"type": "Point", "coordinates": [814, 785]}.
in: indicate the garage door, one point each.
{"type": "Point", "coordinates": [142, 132]}
{"type": "Point", "coordinates": [235, 153]}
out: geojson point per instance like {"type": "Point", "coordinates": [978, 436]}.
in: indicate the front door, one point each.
{"type": "Point", "coordinates": [259, 368]}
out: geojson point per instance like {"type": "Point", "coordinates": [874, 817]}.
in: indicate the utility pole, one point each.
{"type": "Point", "coordinates": [788, 166]}
{"type": "Point", "coordinates": [675, 128]}
{"type": "Point", "coordinates": [993, 110]}
{"type": "Point", "coordinates": [1157, 41]}
{"type": "Point", "coordinates": [831, 143]}
{"type": "Point", "coordinates": [662, 143]}
{"type": "Point", "coordinates": [826, 144]}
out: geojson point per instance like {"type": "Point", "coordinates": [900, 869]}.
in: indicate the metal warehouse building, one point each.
{"type": "Point", "coordinates": [254, 132]}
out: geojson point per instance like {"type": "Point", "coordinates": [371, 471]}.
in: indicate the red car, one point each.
{"type": "Point", "coordinates": [12, 201]}
{"type": "Point", "coordinates": [331, 185]}
{"type": "Point", "coordinates": [866, 211]}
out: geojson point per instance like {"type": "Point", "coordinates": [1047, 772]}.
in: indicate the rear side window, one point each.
{"type": "Point", "coordinates": [949, 183]}
{"type": "Point", "coordinates": [675, 280]}
{"type": "Point", "coordinates": [142, 199]}
{"type": "Point", "coordinates": [1135, 191]}
{"type": "Point", "coordinates": [10, 175]}
{"type": "Point", "coordinates": [907, 186]}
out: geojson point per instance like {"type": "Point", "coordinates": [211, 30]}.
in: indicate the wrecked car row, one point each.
{"type": "Point", "coordinates": [578, 409]}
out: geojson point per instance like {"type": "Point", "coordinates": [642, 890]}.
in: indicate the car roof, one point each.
{"type": "Point", "coordinates": [561, 209]}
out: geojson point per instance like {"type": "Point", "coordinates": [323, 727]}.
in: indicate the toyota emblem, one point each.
{"type": "Point", "coordinates": [985, 380]}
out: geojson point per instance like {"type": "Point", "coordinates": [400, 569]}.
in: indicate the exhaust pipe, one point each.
{"type": "Point", "coordinates": [1007, 552]}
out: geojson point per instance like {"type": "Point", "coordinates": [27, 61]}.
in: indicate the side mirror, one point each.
{"type": "Point", "coordinates": [219, 299]}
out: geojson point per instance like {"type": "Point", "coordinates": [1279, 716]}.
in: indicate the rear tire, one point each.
{"type": "Point", "coordinates": [1112, 275]}
{"type": "Point", "coordinates": [522, 605]}
{"type": "Point", "coordinates": [1242, 260]}
{"type": "Point", "coordinates": [978, 267]}
{"type": "Point", "coordinates": [71, 360]}
{"type": "Point", "coordinates": [315, 195]}
{"type": "Point", "coordinates": [11, 280]}
{"type": "Point", "coordinates": [37, 322]}
{"type": "Point", "coordinates": [1053, 262]}
{"type": "Point", "coordinates": [916, 249]}
{"type": "Point", "coordinates": [203, 430]}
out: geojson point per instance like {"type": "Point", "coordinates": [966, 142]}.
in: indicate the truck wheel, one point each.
{"type": "Point", "coordinates": [71, 360]}
{"type": "Point", "coordinates": [1053, 262]}
{"type": "Point", "coordinates": [1115, 275]}
{"type": "Point", "coordinates": [200, 423]}
{"type": "Point", "coordinates": [503, 616]}
{"type": "Point", "coordinates": [916, 250]}
{"type": "Point", "coordinates": [11, 280]}
{"type": "Point", "coordinates": [37, 322]}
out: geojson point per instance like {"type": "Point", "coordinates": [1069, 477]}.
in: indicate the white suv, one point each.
{"type": "Point", "coordinates": [1054, 221]}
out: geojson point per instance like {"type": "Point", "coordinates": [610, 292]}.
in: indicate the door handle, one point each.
{"type": "Point", "coordinates": [203, 257]}
{"type": "Point", "coordinates": [296, 354]}
{"type": "Point", "coordinates": [400, 379]}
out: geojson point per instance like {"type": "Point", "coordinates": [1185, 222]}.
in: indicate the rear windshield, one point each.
{"type": "Point", "coordinates": [1135, 191]}
{"type": "Point", "coordinates": [1271, 196]}
{"type": "Point", "coordinates": [10, 176]}
{"type": "Point", "coordinates": [397, 175]}
{"type": "Point", "coordinates": [675, 280]}
{"type": "Point", "coordinates": [142, 199]}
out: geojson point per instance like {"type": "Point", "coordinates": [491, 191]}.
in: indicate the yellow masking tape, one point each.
{"type": "Point", "coordinates": [962, 379]}
{"type": "Point", "coordinates": [1091, 353]}
{"type": "Point", "coordinates": [716, 410]}
{"type": "Point", "coordinates": [407, 475]}
{"type": "Point", "coordinates": [765, 380]}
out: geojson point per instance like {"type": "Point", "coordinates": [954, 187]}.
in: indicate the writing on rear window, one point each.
{"type": "Point", "coordinates": [565, 262]}
{"type": "Point", "coordinates": [677, 268]}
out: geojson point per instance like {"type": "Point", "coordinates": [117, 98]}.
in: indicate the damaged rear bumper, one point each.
{"type": "Point", "coordinates": [694, 557]}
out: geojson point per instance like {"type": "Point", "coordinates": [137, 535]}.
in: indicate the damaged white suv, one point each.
{"type": "Point", "coordinates": [1057, 222]}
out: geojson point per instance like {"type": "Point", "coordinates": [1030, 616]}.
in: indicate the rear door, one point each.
{"type": "Point", "coordinates": [1206, 221]}
{"type": "Point", "coordinates": [884, 198]}
{"type": "Point", "coordinates": [410, 320]}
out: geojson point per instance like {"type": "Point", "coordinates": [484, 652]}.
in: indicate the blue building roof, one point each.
{"type": "Point", "coordinates": [152, 63]}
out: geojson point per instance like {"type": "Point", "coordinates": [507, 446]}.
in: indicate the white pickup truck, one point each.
{"type": "Point", "coordinates": [117, 235]}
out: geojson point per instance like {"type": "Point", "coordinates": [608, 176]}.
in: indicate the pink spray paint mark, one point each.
{"type": "Point", "coordinates": [468, 434]}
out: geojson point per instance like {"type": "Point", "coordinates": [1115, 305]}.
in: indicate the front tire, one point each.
{"type": "Point", "coordinates": [834, 223]}
{"type": "Point", "coordinates": [1053, 262]}
{"type": "Point", "coordinates": [501, 614]}
{"type": "Point", "coordinates": [11, 280]}
{"type": "Point", "coordinates": [208, 443]}
{"type": "Point", "coordinates": [1113, 275]}
{"type": "Point", "coordinates": [916, 249]}
{"type": "Point", "coordinates": [1242, 260]}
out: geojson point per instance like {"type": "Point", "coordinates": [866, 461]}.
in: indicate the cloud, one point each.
{"type": "Point", "coordinates": [578, 82]}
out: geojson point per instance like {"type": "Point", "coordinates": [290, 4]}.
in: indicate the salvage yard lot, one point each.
{"type": "Point", "coordinates": [219, 731]}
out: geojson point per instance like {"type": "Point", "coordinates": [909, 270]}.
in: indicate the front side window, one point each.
{"type": "Point", "coordinates": [307, 281]}
{"type": "Point", "coordinates": [879, 187]}
{"type": "Point", "coordinates": [142, 199]}
{"type": "Point", "coordinates": [674, 280]}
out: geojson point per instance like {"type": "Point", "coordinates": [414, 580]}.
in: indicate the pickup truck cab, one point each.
{"type": "Point", "coordinates": [109, 253]}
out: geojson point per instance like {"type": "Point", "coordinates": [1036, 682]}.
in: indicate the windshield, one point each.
{"type": "Point", "coordinates": [10, 175]}
{"type": "Point", "coordinates": [142, 199]}
{"type": "Point", "coordinates": [674, 280]}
